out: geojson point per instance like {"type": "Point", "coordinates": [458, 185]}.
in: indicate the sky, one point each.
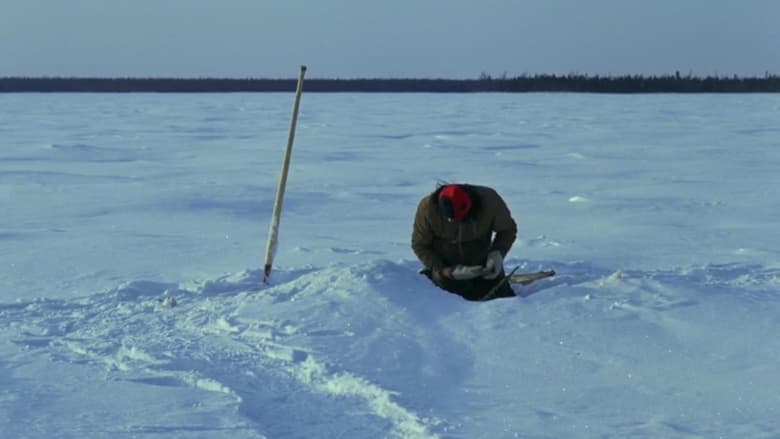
{"type": "Point", "coordinates": [401, 38]}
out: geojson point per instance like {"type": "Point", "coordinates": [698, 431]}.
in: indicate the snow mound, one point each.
{"type": "Point", "coordinates": [305, 350]}
{"type": "Point", "coordinates": [373, 350]}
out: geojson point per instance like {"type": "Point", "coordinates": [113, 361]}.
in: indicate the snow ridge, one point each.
{"type": "Point", "coordinates": [373, 350]}
{"type": "Point", "coordinates": [222, 336]}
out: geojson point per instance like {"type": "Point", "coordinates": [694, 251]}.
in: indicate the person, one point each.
{"type": "Point", "coordinates": [461, 234]}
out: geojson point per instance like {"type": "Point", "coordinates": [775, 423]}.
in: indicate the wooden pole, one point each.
{"type": "Point", "coordinates": [273, 230]}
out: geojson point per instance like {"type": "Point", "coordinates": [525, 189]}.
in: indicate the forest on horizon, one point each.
{"type": "Point", "coordinates": [769, 83]}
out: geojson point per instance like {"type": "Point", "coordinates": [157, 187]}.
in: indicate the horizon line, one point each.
{"type": "Point", "coordinates": [482, 77]}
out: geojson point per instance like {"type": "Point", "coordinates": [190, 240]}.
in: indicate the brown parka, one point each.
{"type": "Point", "coordinates": [440, 243]}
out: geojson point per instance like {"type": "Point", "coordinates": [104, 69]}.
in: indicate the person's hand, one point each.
{"type": "Point", "coordinates": [493, 265]}
{"type": "Point", "coordinates": [463, 272]}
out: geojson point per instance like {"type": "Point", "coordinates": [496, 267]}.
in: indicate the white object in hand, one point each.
{"type": "Point", "coordinates": [465, 272]}
{"type": "Point", "coordinates": [494, 265]}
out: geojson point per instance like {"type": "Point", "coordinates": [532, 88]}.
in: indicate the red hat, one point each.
{"type": "Point", "coordinates": [455, 202]}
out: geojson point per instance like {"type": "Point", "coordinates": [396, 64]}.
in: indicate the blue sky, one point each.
{"type": "Point", "coordinates": [399, 38]}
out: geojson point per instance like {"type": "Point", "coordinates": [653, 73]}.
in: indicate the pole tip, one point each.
{"type": "Point", "coordinates": [266, 273]}
{"type": "Point", "coordinates": [303, 68]}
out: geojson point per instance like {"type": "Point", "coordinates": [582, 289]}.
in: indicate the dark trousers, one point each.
{"type": "Point", "coordinates": [471, 289]}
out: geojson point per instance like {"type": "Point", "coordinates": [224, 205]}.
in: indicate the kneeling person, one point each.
{"type": "Point", "coordinates": [462, 234]}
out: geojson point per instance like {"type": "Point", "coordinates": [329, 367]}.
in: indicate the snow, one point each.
{"type": "Point", "coordinates": [133, 229]}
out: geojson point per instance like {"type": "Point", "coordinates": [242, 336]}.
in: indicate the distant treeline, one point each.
{"type": "Point", "coordinates": [536, 83]}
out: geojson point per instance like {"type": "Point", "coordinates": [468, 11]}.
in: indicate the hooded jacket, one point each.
{"type": "Point", "coordinates": [440, 243]}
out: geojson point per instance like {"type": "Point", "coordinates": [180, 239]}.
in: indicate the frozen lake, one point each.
{"type": "Point", "coordinates": [659, 213]}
